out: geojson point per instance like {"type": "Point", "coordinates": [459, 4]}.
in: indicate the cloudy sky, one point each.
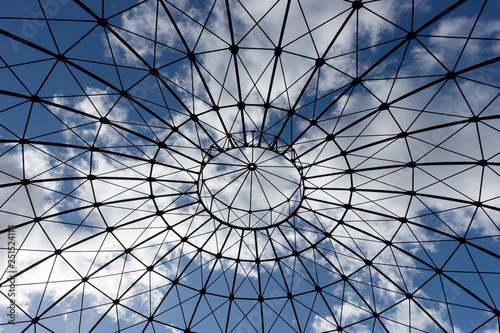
{"type": "Point", "coordinates": [250, 166]}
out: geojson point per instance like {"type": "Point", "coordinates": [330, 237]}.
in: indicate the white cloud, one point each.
{"type": "Point", "coordinates": [366, 223]}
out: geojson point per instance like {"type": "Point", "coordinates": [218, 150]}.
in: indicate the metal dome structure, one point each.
{"type": "Point", "coordinates": [249, 166]}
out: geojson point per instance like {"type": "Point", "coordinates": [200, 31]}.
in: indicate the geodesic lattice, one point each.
{"type": "Point", "coordinates": [250, 166]}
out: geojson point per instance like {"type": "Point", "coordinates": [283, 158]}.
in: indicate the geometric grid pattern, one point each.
{"type": "Point", "coordinates": [250, 166]}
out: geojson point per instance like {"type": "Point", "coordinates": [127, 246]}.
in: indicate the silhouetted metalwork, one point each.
{"type": "Point", "coordinates": [241, 166]}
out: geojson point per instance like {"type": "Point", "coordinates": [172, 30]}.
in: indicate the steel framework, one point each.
{"type": "Point", "coordinates": [249, 166]}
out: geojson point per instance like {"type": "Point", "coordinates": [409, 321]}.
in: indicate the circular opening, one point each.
{"type": "Point", "coordinates": [250, 187]}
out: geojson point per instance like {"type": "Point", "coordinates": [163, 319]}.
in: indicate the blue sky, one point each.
{"type": "Point", "coordinates": [392, 135]}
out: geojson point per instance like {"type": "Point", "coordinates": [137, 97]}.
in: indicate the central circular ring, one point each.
{"type": "Point", "coordinates": [251, 187]}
